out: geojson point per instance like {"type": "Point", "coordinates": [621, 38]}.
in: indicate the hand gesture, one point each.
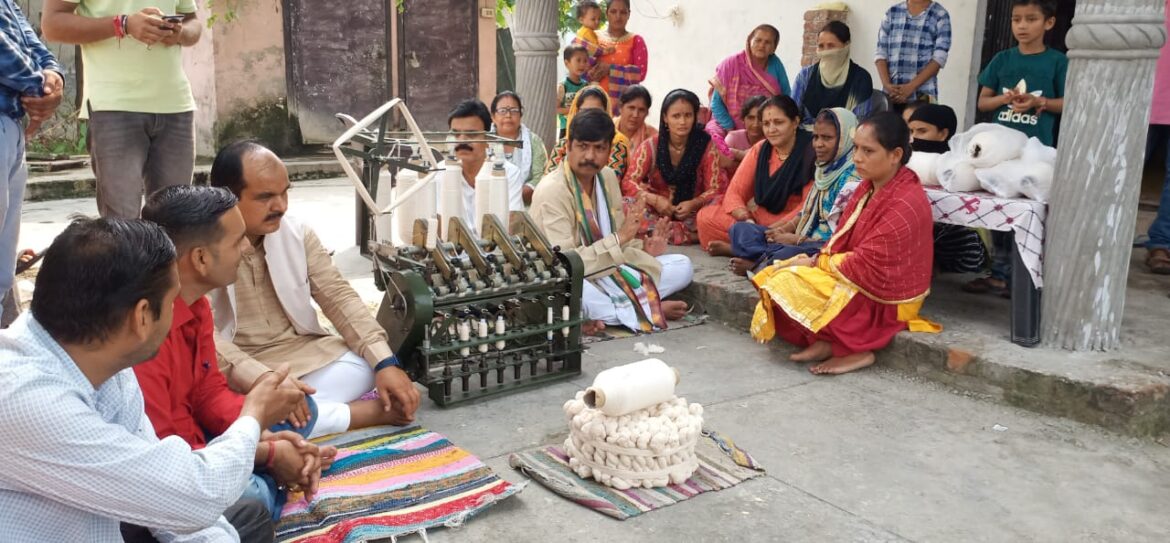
{"type": "Point", "coordinates": [41, 108]}
{"type": "Point", "coordinates": [632, 221]}
{"type": "Point", "coordinates": [148, 26]}
{"type": "Point", "coordinates": [599, 71]}
{"type": "Point", "coordinates": [397, 392]}
{"type": "Point", "coordinates": [300, 414]}
{"type": "Point", "coordinates": [655, 245]}
{"type": "Point", "coordinates": [296, 462]}
{"type": "Point", "coordinates": [1023, 101]}
{"type": "Point", "coordinates": [268, 402]}
{"type": "Point", "coordinates": [176, 32]}
{"type": "Point", "coordinates": [663, 206]}
{"type": "Point", "coordinates": [684, 210]}
{"type": "Point", "coordinates": [717, 86]}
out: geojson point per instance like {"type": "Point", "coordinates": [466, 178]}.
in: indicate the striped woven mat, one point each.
{"type": "Point", "coordinates": [389, 482]}
{"type": "Point", "coordinates": [721, 465]}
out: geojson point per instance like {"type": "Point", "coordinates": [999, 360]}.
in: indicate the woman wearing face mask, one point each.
{"type": "Point", "coordinates": [770, 185]}
{"type": "Point", "coordinates": [834, 81]}
{"type": "Point", "coordinates": [677, 171]}
{"type": "Point", "coordinates": [754, 245]}
{"type": "Point", "coordinates": [869, 281]}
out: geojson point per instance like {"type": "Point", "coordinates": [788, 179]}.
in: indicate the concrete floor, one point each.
{"type": "Point", "coordinates": [872, 456]}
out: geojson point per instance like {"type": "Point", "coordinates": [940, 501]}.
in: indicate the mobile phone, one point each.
{"type": "Point", "coordinates": [174, 19]}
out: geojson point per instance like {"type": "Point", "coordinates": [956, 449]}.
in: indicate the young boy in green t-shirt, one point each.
{"type": "Point", "coordinates": [1025, 84]}
{"type": "Point", "coordinates": [577, 63]}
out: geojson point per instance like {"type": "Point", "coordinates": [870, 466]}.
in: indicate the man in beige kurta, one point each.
{"type": "Point", "coordinates": [556, 210]}
{"type": "Point", "coordinates": [267, 318]}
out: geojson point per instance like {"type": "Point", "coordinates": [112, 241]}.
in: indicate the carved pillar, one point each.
{"type": "Point", "coordinates": [534, 37]}
{"type": "Point", "coordinates": [1113, 49]}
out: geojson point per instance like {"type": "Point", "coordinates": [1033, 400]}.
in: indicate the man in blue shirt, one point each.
{"type": "Point", "coordinates": [30, 82]}
{"type": "Point", "coordinates": [81, 455]}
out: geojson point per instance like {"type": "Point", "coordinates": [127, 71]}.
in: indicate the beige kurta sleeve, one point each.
{"type": "Point", "coordinates": [237, 367]}
{"type": "Point", "coordinates": [552, 211]}
{"type": "Point", "coordinates": [342, 306]}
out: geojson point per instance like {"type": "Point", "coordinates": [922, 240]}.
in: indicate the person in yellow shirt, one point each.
{"type": "Point", "coordinates": [141, 130]}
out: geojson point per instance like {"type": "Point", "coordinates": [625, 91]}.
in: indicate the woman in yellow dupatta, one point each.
{"type": "Point", "coordinates": [869, 281]}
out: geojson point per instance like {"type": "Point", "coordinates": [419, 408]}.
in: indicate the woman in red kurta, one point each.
{"type": "Point", "coordinates": [677, 172]}
{"type": "Point", "coordinates": [765, 193]}
{"type": "Point", "coordinates": [871, 278]}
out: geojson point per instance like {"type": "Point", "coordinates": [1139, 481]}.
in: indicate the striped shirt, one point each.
{"type": "Point", "coordinates": [908, 43]}
{"type": "Point", "coordinates": [79, 460]}
{"type": "Point", "coordinates": [23, 60]}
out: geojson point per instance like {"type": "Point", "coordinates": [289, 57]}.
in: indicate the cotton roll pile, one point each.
{"type": "Point", "coordinates": [649, 447]}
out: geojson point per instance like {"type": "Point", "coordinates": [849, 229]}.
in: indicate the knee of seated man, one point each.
{"type": "Point", "coordinates": [252, 520]}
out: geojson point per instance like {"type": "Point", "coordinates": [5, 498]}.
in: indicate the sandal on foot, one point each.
{"type": "Point", "coordinates": [27, 259]}
{"type": "Point", "coordinates": [1158, 261]}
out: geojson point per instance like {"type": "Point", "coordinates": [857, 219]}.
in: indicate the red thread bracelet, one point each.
{"type": "Point", "coordinates": [271, 455]}
{"type": "Point", "coordinates": [119, 32]}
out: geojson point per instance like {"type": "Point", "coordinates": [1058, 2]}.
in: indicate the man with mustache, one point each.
{"type": "Point", "coordinates": [266, 318]}
{"type": "Point", "coordinates": [579, 205]}
{"type": "Point", "coordinates": [80, 454]}
{"type": "Point", "coordinates": [468, 118]}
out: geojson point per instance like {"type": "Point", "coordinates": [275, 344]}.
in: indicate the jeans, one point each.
{"type": "Point", "coordinates": [750, 242]}
{"type": "Point", "coordinates": [13, 176]}
{"type": "Point", "coordinates": [1160, 230]}
{"type": "Point", "coordinates": [133, 153]}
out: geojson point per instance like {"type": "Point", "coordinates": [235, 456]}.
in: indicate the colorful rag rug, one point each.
{"type": "Point", "coordinates": [387, 482]}
{"type": "Point", "coordinates": [722, 465]}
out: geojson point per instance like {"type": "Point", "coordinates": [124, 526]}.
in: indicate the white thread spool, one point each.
{"type": "Point", "coordinates": [625, 389]}
{"type": "Point", "coordinates": [565, 318]}
{"type": "Point", "coordinates": [450, 194]}
{"type": "Point", "coordinates": [465, 335]}
{"type": "Point", "coordinates": [421, 204]}
{"type": "Point", "coordinates": [501, 327]}
{"type": "Point", "coordinates": [483, 334]}
{"type": "Point", "coordinates": [550, 321]}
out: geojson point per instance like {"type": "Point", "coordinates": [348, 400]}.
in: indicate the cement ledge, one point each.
{"type": "Point", "coordinates": [1121, 395]}
{"type": "Point", "coordinates": [80, 183]}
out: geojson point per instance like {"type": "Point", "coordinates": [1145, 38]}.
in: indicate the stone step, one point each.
{"type": "Point", "coordinates": [1126, 391]}
{"type": "Point", "coordinates": [80, 182]}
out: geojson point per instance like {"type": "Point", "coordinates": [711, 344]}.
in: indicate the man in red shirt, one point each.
{"type": "Point", "coordinates": [185, 393]}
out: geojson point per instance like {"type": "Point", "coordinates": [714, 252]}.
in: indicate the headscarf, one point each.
{"type": "Point", "coordinates": [773, 191]}
{"type": "Point", "coordinates": [832, 174]}
{"type": "Point", "coordinates": [941, 117]}
{"type": "Point", "coordinates": [591, 90]}
{"type": "Point", "coordinates": [683, 177]}
{"type": "Point", "coordinates": [620, 141]}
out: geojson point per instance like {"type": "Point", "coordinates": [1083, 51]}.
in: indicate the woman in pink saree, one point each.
{"type": "Point", "coordinates": [755, 71]}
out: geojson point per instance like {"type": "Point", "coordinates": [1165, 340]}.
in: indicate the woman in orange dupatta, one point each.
{"type": "Point", "coordinates": [628, 62]}
{"type": "Point", "coordinates": [871, 278]}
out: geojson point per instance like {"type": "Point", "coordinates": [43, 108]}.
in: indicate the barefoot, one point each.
{"type": "Point", "coordinates": [674, 309]}
{"type": "Point", "coordinates": [366, 413]}
{"type": "Point", "coordinates": [818, 351]}
{"type": "Point", "coordinates": [593, 328]}
{"type": "Point", "coordinates": [740, 266]}
{"type": "Point", "coordinates": [719, 248]}
{"type": "Point", "coordinates": [843, 364]}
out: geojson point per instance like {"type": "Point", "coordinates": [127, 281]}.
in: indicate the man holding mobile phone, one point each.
{"type": "Point", "coordinates": [137, 98]}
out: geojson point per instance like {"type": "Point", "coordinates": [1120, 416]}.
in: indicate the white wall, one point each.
{"type": "Point", "coordinates": [685, 54]}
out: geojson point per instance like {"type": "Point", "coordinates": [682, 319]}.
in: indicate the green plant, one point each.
{"type": "Point", "coordinates": [63, 134]}
{"type": "Point", "coordinates": [566, 23]}
{"type": "Point", "coordinates": [222, 9]}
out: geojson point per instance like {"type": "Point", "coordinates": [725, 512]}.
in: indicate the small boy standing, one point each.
{"type": "Point", "coordinates": [589, 16]}
{"type": "Point", "coordinates": [913, 44]}
{"type": "Point", "coordinates": [1025, 84]}
{"type": "Point", "coordinates": [577, 63]}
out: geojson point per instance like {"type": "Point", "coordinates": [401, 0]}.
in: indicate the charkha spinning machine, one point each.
{"type": "Point", "coordinates": [470, 313]}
